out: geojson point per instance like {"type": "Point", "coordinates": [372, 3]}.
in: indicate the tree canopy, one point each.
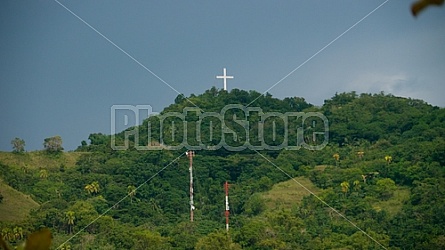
{"type": "Point", "coordinates": [383, 169]}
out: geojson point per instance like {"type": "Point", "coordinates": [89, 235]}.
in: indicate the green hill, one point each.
{"type": "Point", "coordinates": [15, 206]}
{"type": "Point", "coordinates": [383, 169]}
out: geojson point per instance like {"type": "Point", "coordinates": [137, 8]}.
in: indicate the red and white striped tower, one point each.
{"type": "Point", "coordinates": [190, 155]}
{"type": "Point", "coordinates": [226, 187]}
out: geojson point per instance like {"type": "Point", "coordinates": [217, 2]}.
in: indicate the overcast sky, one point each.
{"type": "Point", "coordinates": [60, 77]}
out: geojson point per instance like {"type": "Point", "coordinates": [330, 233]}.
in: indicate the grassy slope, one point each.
{"type": "Point", "coordinates": [288, 193]}
{"type": "Point", "coordinates": [39, 159]}
{"type": "Point", "coordinates": [15, 205]}
{"type": "Point", "coordinates": [393, 205]}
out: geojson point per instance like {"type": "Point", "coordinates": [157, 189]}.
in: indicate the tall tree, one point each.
{"type": "Point", "coordinates": [344, 187]}
{"type": "Point", "coordinates": [96, 187]}
{"type": "Point", "coordinates": [18, 233]}
{"type": "Point", "coordinates": [43, 174]}
{"type": "Point", "coordinates": [388, 159]}
{"type": "Point", "coordinates": [356, 185]}
{"type": "Point", "coordinates": [89, 188]}
{"type": "Point", "coordinates": [131, 190]}
{"type": "Point", "coordinates": [92, 188]}
{"type": "Point", "coordinates": [18, 145]}
{"type": "Point", "coordinates": [53, 144]}
{"type": "Point", "coordinates": [70, 217]}
{"type": "Point", "coordinates": [360, 154]}
{"type": "Point", "coordinates": [337, 158]}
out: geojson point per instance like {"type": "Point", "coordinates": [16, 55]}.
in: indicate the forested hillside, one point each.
{"type": "Point", "coordinates": [379, 183]}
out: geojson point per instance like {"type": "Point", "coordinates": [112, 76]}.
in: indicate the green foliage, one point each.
{"type": "Point", "coordinates": [18, 145]}
{"type": "Point", "coordinates": [150, 240]}
{"type": "Point", "coordinates": [383, 169]}
{"type": "Point", "coordinates": [92, 188]}
{"type": "Point", "coordinates": [216, 241]}
{"type": "Point", "coordinates": [39, 240]}
{"type": "Point", "coordinates": [255, 205]}
{"type": "Point", "coordinates": [70, 217]}
{"type": "Point", "coordinates": [385, 188]}
{"type": "Point", "coordinates": [53, 144]}
{"type": "Point", "coordinates": [15, 205]}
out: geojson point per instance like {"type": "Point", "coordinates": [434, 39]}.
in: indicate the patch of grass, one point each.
{"type": "Point", "coordinates": [15, 205]}
{"type": "Point", "coordinates": [321, 168]}
{"type": "Point", "coordinates": [394, 204]}
{"type": "Point", "coordinates": [40, 159]}
{"type": "Point", "coordinates": [288, 193]}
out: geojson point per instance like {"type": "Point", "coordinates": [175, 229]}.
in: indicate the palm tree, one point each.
{"type": "Point", "coordinates": [89, 189]}
{"type": "Point", "coordinates": [388, 159]}
{"type": "Point", "coordinates": [304, 212]}
{"type": "Point", "coordinates": [344, 187]}
{"type": "Point", "coordinates": [70, 220]}
{"type": "Point", "coordinates": [95, 186]}
{"type": "Point", "coordinates": [364, 178]}
{"type": "Point", "coordinates": [356, 184]}
{"type": "Point", "coordinates": [58, 193]}
{"type": "Point", "coordinates": [18, 233]}
{"type": "Point", "coordinates": [154, 205]}
{"type": "Point", "coordinates": [7, 234]}
{"type": "Point", "coordinates": [131, 190]}
{"type": "Point", "coordinates": [66, 247]}
{"type": "Point", "coordinates": [92, 188]}
{"type": "Point", "coordinates": [337, 158]}
{"type": "Point", "coordinates": [43, 174]}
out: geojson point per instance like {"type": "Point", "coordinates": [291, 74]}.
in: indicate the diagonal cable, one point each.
{"type": "Point", "coordinates": [123, 51]}
{"type": "Point", "coordinates": [125, 197]}
{"type": "Point", "coordinates": [319, 51]}
{"type": "Point", "coordinates": [321, 200]}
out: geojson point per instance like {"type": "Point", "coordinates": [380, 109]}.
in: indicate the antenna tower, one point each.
{"type": "Point", "coordinates": [190, 154]}
{"type": "Point", "coordinates": [226, 187]}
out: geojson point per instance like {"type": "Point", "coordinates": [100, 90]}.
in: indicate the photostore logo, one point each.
{"type": "Point", "coordinates": [234, 128]}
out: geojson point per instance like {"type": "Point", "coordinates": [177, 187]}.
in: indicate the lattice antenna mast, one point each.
{"type": "Point", "coordinates": [226, 187]}
{"type": "Point", "coordinates": [190, 154]}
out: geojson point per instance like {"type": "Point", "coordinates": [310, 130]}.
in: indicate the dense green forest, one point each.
{"type": "Point", "coordinates": [379, 183]}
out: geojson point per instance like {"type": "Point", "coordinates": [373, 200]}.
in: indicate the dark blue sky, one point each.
{"type": "Point", "coordinates": [60, 77]}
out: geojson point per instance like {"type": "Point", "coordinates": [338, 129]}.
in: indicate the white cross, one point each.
{"type": "Point", "coordinates": [224, 77]}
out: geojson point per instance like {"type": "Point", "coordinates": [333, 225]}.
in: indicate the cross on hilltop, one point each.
{"type": "Point", "coordinates": [224, 77]}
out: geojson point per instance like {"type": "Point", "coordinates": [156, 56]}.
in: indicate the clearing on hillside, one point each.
{"type": "Point", "coordinates": [288, 193]}
{"type": "Point", "coordinates": [394, 204]}
{"type": "Point", "coordinates": [15, 205]}
{"type": "Point", "coordinates": [40, 159]}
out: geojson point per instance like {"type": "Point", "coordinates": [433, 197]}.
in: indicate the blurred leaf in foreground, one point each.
{"type": "Point", "coordinates": [418, 6]}
{"type": "Point", "coordinates": [40, 240]}
{"type": "Point", "coordinates": [3, 244]}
